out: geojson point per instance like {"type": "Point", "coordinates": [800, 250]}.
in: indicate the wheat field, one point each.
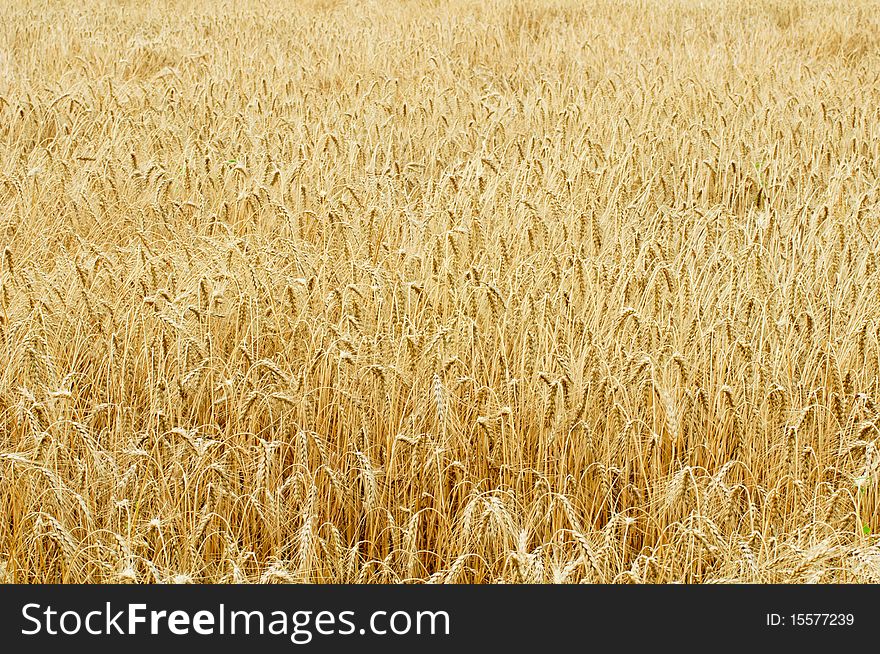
{"type": "Point", "coordinates": [410, 291]}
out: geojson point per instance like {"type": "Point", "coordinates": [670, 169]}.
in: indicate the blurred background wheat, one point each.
{"type": "Point", "coordinates": [535, 291]}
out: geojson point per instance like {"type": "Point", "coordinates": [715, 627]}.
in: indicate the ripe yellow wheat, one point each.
{"type": "Point", "coordinates": [465, 291]}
